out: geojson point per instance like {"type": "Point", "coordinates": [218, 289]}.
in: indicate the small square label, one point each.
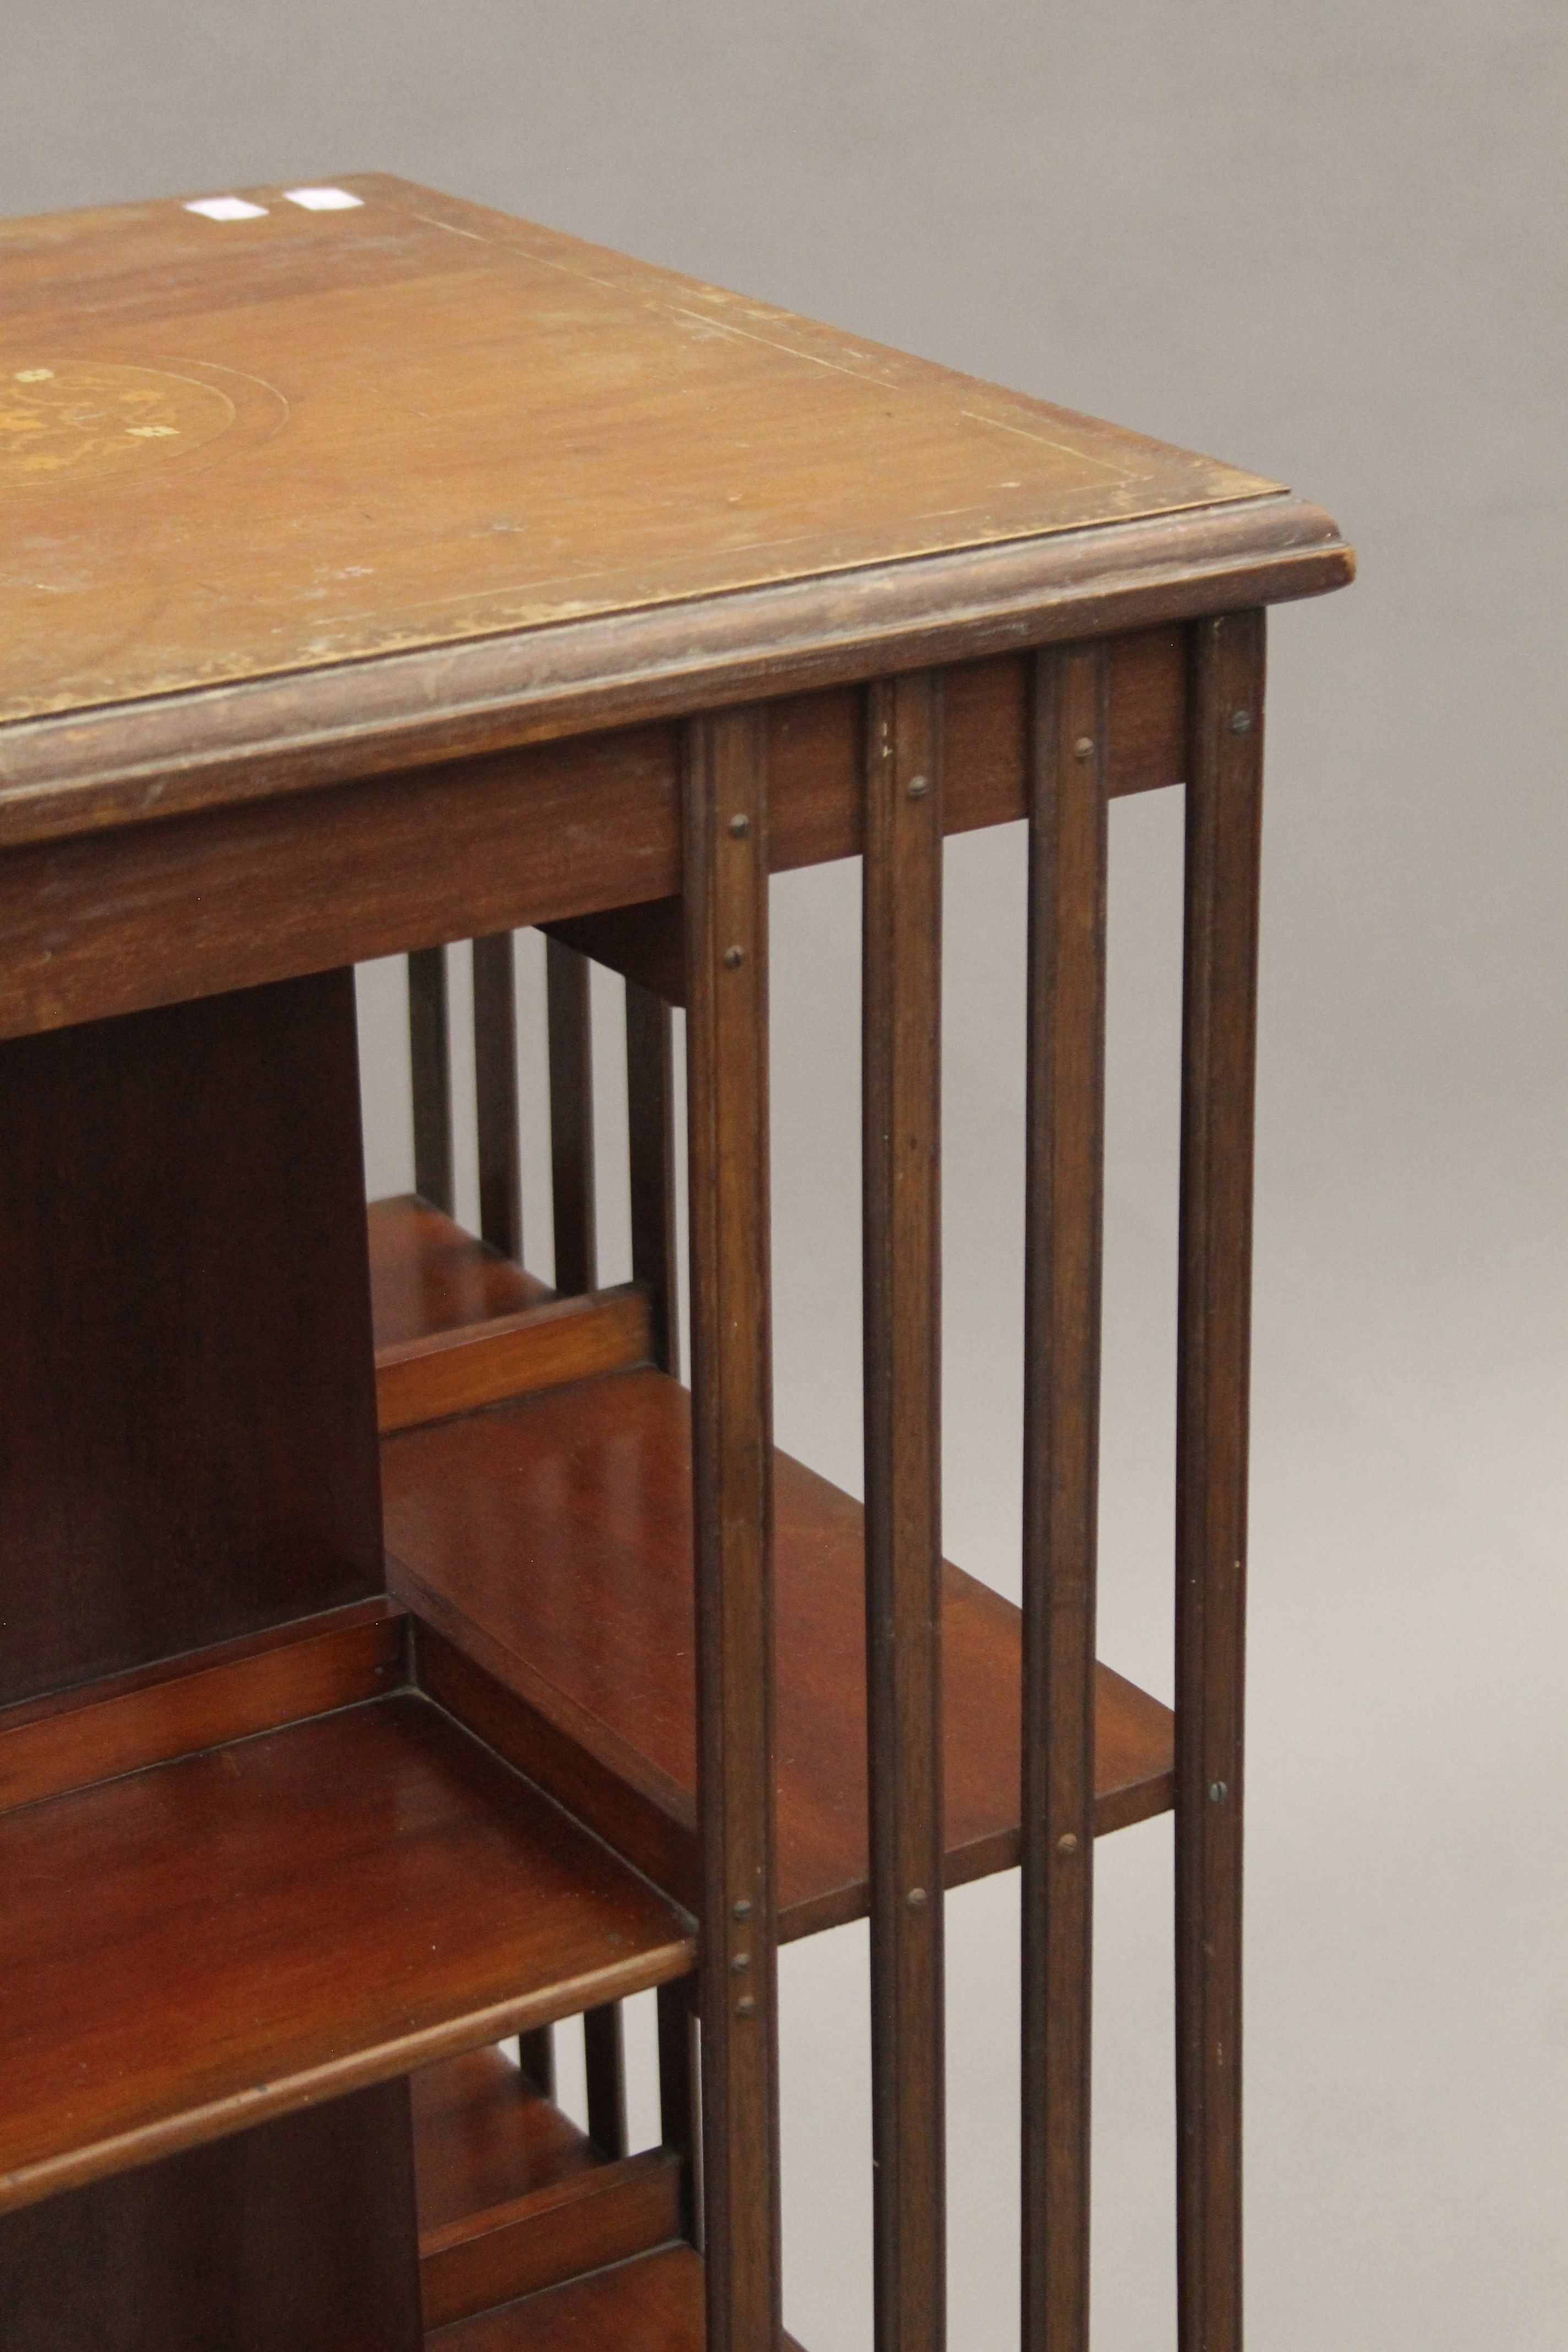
{"type": "Point", "coordinates": [225, 208]}
{"type": "Point", "coordinates": [322, 200]}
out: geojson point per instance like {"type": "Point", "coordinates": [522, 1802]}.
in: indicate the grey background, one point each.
{"type": "Point", "coordinates": [1326, 242]}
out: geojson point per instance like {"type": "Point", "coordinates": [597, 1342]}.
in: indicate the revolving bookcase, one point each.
{"type": "Point", "coordinates": [395, 1657]}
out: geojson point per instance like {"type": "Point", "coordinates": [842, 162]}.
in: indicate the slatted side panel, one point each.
{"type": "Point", "coordinates": [1065, 1147]}
{"type": "Point", "coordinates": [430, 1067]}
{"type": "Point", "coordinates": [1219, 1015]}
{"type": "Point", "coordinates": [496, 1105]}
{"type": "Point", "coordinates": [571, 1118]}
{"type": "Point", "coordinates": [725, 852]}
{"type": "Point", "coordinates": [901, 1013]}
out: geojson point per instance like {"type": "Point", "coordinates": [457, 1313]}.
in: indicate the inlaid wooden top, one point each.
{"type": "Point", "coordinates": [231, 447]}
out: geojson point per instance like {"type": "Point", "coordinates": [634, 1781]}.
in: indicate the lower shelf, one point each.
{"type": "Point", "coordinates": [514, 2198]}
{"type": "Point", "coordinates": [653, 2303]}
{"type": "Point", "coordinates": [550, 1544]}
{"type": "Point", "coordinates": [196, 1947]}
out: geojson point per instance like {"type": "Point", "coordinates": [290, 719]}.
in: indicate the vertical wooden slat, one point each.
{"type": "Point", "coordinates": [430, 1064]}
{"type": "Point", "coordinates": [536, 2054]}
{"type": "Point", "coordinates": [571, 1117]}
{"type": "Point", "coordinates": [650, 1136]}
{"type": "Point", "coordinates": [725, 857]}
{"type": "Point", "coordinates": [1224, 814]}
{"type": "Point", "coordinates": [901, 1013]}
{"type": "Point", "coordinates": [677, 2091]}
{"type": "Point", "coordinates": [495, 1094]}
{"type": "Point", "coordinates": [605, 2066]}
{"type": "Point", "coordinates": [1066, 1121]}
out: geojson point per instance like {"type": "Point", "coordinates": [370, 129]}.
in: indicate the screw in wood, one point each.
{"type": "Point", "coordinates": [1241, 722]}
{"type": "Point", "coordinates": [740, 826]}
{"type": "Point", "coordinates": [734, 957]}
{"type": "Point", "coordinates": [742, 1910]}
{"type": "Point", "coordinates": [1217, 1793]}
{"type": "Point", "coordinates": [919, 787]}
{"type": "Point", "coordinates": [1067, 1844]}
{"type": "Point", "coordinates": [745, 2006]}
{"type": "Point", "coordinates": [1084, 748]}
{"type": "Point", "coordinates": [917, 1896]}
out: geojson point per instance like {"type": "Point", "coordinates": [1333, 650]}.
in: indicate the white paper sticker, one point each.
{"type": "Point", "coordinates": [227, 208]}
{"type": "Point", "coordinates": [322, 200]}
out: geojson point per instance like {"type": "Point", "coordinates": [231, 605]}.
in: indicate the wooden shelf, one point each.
{"type": "Point", "coordinates": [194, 1948]}
{"type": "Point", "coordinates": [650, 2305]}
{"type": "Point", "coordinates": [513, 2197]}
{"type": "Point", "coordinates": [549, 1544]}
{"type": "Point", "coordinates": [427, 1275]}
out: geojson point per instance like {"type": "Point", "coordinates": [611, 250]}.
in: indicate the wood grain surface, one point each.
{"type": "Point", "coordinates": [427, 1276]}
{"type": "Point", "coordinates": [502, 1528]}
{"type": "Point", "coordinates": [189, 1950]}
{"type": "Point", "coordinates": [415, 421]}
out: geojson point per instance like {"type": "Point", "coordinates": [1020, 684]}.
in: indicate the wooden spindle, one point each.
{"type": "Point", "coordinates": [901, 1008]}
{"type": "Point", "coordinates": [536, 2055]}
{"type": "Point", "coordinates": [1219, 1021]}
{"type": "Point", "coordinates": [1065, 1126]}
{"type": "Point", "coordinates": [570, 1032]}
{"type": "Point", "coordinates": [650, 1137]}
{"type": "Point", "coordinates": [604, 2068]}
{"type": "Point", "coordinates": [430, 1067]}
{"type": "Point", "coordinates": [677, 2091]}
{"type": "Point", "coordinates": [726, 869]}
{"type": "Point", "coordinates": [495, 1094]}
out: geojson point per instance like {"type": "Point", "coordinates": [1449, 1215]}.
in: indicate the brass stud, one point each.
{"type": "Point", "coordinates": [1067, 1844]}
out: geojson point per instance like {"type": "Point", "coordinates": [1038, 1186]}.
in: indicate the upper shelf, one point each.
{"type": "Point", "coordinates": [409, 429]}
{"type": "Point", "coordinates": [194, 1948]}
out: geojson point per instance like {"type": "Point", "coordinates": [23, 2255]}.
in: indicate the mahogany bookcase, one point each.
{"type": "Point", "coordinates": [396, 1657]}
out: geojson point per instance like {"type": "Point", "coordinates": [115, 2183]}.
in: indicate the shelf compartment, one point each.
{"type": "Point", "coordinates": [513, 2197]}
{"type": "Point", "coordinates": [549, 1545]}
{"type": "Point", "coordinates": [650, 2305]}
{"type": "Point", "coordinates": [427, 1275]}
{"type": "Point", "coordinates": [192, 1949]}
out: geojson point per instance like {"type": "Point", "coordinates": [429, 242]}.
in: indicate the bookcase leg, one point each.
{"type": "Point", "coordinates": [1066, 1126]}
{"type": "Point", "coordinates": [1219, 1020]}
{"type": "Point", "coordinates": [901, 1019]}
{"type": "Point", "coordinates": [298, 2236]}
{"type": "Point", "coordinates": [726, 885]}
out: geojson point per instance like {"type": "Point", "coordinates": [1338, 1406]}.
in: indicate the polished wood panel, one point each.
{"type": "Point", "coordinates": [496, 1093]}
{"type": "Point", "coordinates": [484, 1364]}
{"type": "Point", "coordinates": [900, 1059]}
{"type": "Point", "coordinates": [1224, 807]}
{"type": "Point", "coordinates": [297, 2236]}
{"type": "Point", "coordinates": [489, 426]}
{"type": "Point", "coordinates": [187, 1438]}
{"type": "Point", "coordinates": [654, 2305]}
{"type": "Point", "coordinates": [373, 1890]}
{"type": "Point", "coordinates": [552, 1540]}
{"type": "Point", "coordinates": [427, 1276]}
{"type": "Point", "coordinates": [198, 1700]}
{"type": "Point", "coordinates": [1065, 1149]}
{"type": "Point", "coordinates": [724, 831]}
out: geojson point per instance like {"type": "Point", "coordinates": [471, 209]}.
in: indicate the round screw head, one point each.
{"type": "Point", "coordinates": [1217, 1793]}
{"type": "Point", "coordinates": [1067, 1844]}
{"type": "Point", "coordinates": [919, 787]}
{"type": "Point", "coordinates": [1241, 722]}
{"type": "Point", "coordinates": [745, 2006]}
{"type": "Point", "coordinates": [740, 826]}
{"type": "Point", "coordinates": [917, 1898]}
{"type": "Point", "coordinates": [734, 957]}
{"type": "Point", "coordinates": [740, 1963]}
{"type": "Point", "coordinates": [1084, 748]}
{"type": "Point", "coordinates": [742, 1910]}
